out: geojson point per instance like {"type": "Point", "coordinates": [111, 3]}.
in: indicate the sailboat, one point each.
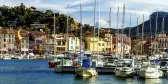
{"type": "Point", "coordinates": [124, 71]}
{"type": "Point", "coordinates": [52, 58]}
{"type": "Point", "coordinates": [85, 70]}
{"type": "Point", "coordinates": [149, 70]}
{"type": "Point", "coordinates": [117, 69]}
{"type": "Point", "coordinates": [128, 71]}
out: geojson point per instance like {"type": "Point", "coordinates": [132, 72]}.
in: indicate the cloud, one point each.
{"type": "Point", "coordinates": [102, 24]}
{"type": "Point", "coordinates": [136, 8]}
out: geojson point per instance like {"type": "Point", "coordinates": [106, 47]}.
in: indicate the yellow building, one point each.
{"type": "Point", "coordinates": [61, 43]}
{"type": "Point", "coordinates": [95, 44]}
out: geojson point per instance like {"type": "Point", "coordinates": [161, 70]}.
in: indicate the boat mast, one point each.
{"type": "Point", "coordinates": [117, 30]}
{"type": "Point", "coordinates": [142, 36]}
{"type": "Point", "coordinates": [151, 35]}
{"type": "Point", "coordinates": [163, 26]}
{"type": "Point", "coordinates": [94, 25]}
{"type": "Point", "coordinates": [109, 31]}
{"type": "Point", "coordinates": [137, 35]}
{"type": "Point", "coordinates": [156, 30]}
{"type": "Point", "coordinates": [80, 33]}
{"type": "Point", "coordinates": [163, 32]}
{"type": "Point", "coordinates": [130, 34]}
{"type": "Point", "coordinates": [123, 30]}
{"type": "Point", "coordinates": [67, 30]}
{"type": "Point", "coordinates": [98, 27]}
{"type": "Point", "coordinates": [54, 32]}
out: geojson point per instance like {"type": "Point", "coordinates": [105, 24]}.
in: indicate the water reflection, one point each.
{"type": "Point", "coordinates": [152, 81]}
{"type": "Point", "coordinates": [87, 80]}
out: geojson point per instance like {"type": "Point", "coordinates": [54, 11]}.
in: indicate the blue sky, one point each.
{"type": "Point", "coordinates": [137, 8]}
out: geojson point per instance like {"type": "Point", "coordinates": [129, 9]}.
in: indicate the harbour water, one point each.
{"type": "Point", "coordinates": [37, 72]}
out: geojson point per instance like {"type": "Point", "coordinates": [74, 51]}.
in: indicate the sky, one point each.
{"type": "Point", "coordinates": [135, 8]}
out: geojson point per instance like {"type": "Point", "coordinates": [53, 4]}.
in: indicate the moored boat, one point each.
{"type": "Point", "coordinates": [86, 70]}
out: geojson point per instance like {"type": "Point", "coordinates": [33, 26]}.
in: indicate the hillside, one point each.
{"type": "Point", "coordinates": [153, 24]}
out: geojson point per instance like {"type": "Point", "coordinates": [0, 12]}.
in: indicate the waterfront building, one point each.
{"type": "Point", "coordinates": [21, 41]}
{"type": "Point", "coordinates": [162, 41]}
{"type": "Point", "coordinates": [37, 42]}
{"type": "Point", "coordinates": [61, 42]}
{"type": "Point", "coordinates": [118, 45]}
{"type": "Point", "coordinates": [108, 38]}
{"type": "Point", "coordinates": [50, 43]}
{"type": "Point", "coordinates": [95, 44]}
{"type": "Point", "coordinates": [73, 43]}
{"type": "Point", "coordinates": [7, 41]}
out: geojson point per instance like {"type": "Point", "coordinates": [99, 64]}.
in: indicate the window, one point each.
{"type": "Point", "coordinates": [4, 45]}
{"type": "Point", "coordinates": [9, 36]}
{"type": "Point", "coordinates": [9, 40]}
{"type": "Point", "coordinates": [76, 47]}
{"type": "Point", "coordinates": [71, 42]}
{"type": "Point", "coordinates": [58, 43]}
{"type": "Point", "coordinates": [22, 46]}
{"type": "Point", "coordinates": [13, 36]}
{"type": "Point", "coordinates": [102, 44]}
{"type": "Point", "coordinates": [27, 46]}
{"type": "Point", "coordinates": [48, 40]}
{"type": "Point", "coordinates": [114, 46]}
{"type": "Point", "coordinates": [53, 41]}
{"type": "Point", "coordinates": [99, 44]}
{"type": "Point", "coordinates": [63, 43]}
{"type": "Point", "coordinates": [12, 40]}
{"type": "Point", "coordinates": [4, 40]}
{"type": "Point", "coordinates": [71, 47]}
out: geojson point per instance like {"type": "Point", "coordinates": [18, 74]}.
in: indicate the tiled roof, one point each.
{"type": "Point", "coordinates": [7, 31]}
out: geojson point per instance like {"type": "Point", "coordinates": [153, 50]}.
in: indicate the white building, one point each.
{"type": "Point", "coordinates": [7, 41]}
{"type": "Point", "coordinates": [73, 44]}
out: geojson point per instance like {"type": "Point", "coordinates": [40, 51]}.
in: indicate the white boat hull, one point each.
{"type": "Point", "coordinates": [86, 72]}
{"type": "Point", "coordinates": [126, 74]}
{"type": "Point", "coordinates": [58, 69]}
{"type": "Point", "coordinates": [152, 74]}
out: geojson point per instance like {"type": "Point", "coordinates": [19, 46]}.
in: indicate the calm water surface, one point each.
{"type": "Point", "coordinates": [37, 72]}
